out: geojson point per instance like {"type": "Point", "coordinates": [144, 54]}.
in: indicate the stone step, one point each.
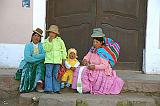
{"type": "Point", "coordinates": [135, 81]}
{"type": "Point", "coordinates": [75, 99]}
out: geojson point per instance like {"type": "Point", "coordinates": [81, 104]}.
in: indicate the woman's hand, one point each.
{"type": "Point", "coordinates": [91, 67]}
{"type": "Point", "coordinates": [85, 62]}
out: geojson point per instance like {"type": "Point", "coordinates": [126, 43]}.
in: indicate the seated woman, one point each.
{"type": "Point", "coordinates": [32, 66]}
{"type": "Point", "coordinates": [96, 75]}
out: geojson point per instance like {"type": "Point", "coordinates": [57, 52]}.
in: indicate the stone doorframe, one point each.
{"type": "Point", "coordinates": [39, 15]}
{"type": "Point", "coordinates": [151, 63]}
{"type": "Point", "coordinates": [151, 56]}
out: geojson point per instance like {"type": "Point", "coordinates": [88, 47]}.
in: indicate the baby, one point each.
{"type": "Point", "coordinates": [71, 63]}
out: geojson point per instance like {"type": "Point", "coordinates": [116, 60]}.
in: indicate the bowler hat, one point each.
{"type": "Point", "coordinates": [97, 32]}
{"type": "Point", "coordinates": [38, 31]}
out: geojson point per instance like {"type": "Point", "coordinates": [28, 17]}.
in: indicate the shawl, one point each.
{"type": "Point", "coordinates": [110, 51]}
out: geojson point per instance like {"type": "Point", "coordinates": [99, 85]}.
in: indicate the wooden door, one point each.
{"type": "Point", "coordinates": [122, 20]}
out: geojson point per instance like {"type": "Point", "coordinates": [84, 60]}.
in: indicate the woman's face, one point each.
{"type": "Point", "coordinates": [36, 38]}
{"type": "Point", "coordinates": [96, 43]}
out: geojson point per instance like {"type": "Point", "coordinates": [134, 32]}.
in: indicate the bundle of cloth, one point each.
{"type": "Point", "coordinates": [110, 51]}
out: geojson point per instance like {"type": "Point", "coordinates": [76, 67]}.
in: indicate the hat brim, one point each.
{"type": "Point", "coordinates": [52, 31]}
{"type": "Point", "coordinates": [37, 33]}
{"type": "Point", "coordinates": [97, 36]}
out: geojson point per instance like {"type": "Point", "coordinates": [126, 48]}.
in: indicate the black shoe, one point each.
{"type": "Point", "coordinates": [86, 92]}
{"type": "Point", "coordinates": [48, 92]}
{"type": "Point", "coordinates": [58, 92]}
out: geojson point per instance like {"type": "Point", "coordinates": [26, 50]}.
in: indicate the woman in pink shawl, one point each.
{"type": "Point", "coordinates": [96, 75]}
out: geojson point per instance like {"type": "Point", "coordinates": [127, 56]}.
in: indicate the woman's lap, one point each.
{"type": "Point", "coordinates": [109, 85]}
{"type": "Point", "coordinates": [97, 82]}
{"type": "Point", "coordinates": [30, 74]}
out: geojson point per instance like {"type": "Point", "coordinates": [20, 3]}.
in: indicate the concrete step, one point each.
{"type": "Point", "coordinates": [135, 81]}
{"type": "Point", "coordinates": [75, 99]}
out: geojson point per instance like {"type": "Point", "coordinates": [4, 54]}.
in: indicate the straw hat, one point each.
{"type": "Point", "coordinates": [97, 32]}
{"type": "Point", "coordinates": [38, 31]}
{"type": "Point", "coordinates": [53, 28]}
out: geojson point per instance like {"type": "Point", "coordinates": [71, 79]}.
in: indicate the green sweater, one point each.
{"type": "Point", "coordinates": [55, 50]}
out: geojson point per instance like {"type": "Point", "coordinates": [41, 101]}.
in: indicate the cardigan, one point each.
{"type": "Point", "coordinates": [55, 50]}
{"type": "Point", "coordinates": [29, 55]}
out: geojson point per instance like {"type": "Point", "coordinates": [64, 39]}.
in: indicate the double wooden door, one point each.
{"type": "Point", "coordinates": [122, 20]}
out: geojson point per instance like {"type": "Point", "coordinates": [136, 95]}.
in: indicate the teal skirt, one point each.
{"type": "Point", "coordinates": [29, 75]}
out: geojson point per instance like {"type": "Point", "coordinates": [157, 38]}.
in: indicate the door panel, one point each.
{"type": "Point", "coordinates": [63, 8]}
{"type": "Point", "coordinates": [125, 7]}
{"type": "Point", "coordinates": [78, 40]}
{"type": "Point", "coordinates": [121, 21]}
